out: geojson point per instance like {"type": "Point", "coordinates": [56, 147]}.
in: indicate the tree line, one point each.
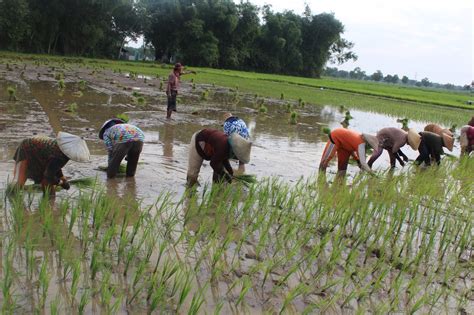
{"type": "Point", "coordinates": [210, 33]}
{"type": "Point", "coordinates": [378, 76]}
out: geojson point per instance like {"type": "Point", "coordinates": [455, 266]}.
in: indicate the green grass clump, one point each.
{"type": "Point", "coordinates": [293, 118]}
{"type": "Point", "coordinates": [61, 84]}
{"type": "Point", "coordinates": [11, 93]}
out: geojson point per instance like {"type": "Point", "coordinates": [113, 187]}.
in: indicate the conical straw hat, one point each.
{"type": "Point", "coordinates": [371, 140]}
{"type": "Point", "coordinates": [73, 147]}
{"type": "Point", "coordinates": [414, 139]}
{"type": "Point", "coordinates": [241, 147]}
{"type": "Point", "coordinates": [448, 141]}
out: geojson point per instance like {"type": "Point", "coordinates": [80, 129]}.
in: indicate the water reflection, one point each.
{"type": "Point", "coordinates": [168, 139]}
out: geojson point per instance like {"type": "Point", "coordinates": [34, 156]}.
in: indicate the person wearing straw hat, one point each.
{"type": "Point", "coordinates": [467, 140]}
{"type": "Point", "coordinates": [347, 143]}
{"type": "Point", "coordinates": [431, 147]}
{"type": "Point", "coordinates": [392, 139]}
{"type": "Point", "coordinates": [41, 159]}
{"type": "Point", "coordinates": [173, 86]}
{"type": "Point", "coordinates": [235, 124]}
{"type": "Point", "coordinates": [446, 134]}
{"type": "Point", "coordinates": [122, 141]}
{"type": "Point", "coordinates": [215, 146]}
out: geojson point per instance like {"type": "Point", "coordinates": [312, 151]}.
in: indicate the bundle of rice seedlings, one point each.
{"type": "Point", "coordinates": [246, 179]}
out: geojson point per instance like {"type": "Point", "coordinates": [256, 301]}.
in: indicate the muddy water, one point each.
{"type": "Point", "coordinates": [288, 151]}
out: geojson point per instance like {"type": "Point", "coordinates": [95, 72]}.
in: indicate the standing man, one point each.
{"type": "Point", "coordinates": [173, 87]}
{"type": "Point", "coordinates": [122, 140]}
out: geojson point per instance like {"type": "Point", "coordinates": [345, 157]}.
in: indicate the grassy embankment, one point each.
{"type": "Point", "coordinates": [389, 244]}
{"type": "Point", "coordinates": [429, 105]}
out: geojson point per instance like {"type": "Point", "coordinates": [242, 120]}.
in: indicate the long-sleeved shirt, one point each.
{"type": "Point", "coordinates": [122, 133]}
{"type": "Point", "coordinates": [213, 145]}
{"type": "Point", "coordinates": [235, 124]}
{"type": "Point", "coordinates": [392, 138]}
{"type": "Point", "coordinates": [433, 142]}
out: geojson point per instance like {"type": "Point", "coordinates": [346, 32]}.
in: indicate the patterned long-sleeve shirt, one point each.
{"type": "Point", "coordinates": [122, 133]}
{"type": "Point", "coordinates": [235, 124]}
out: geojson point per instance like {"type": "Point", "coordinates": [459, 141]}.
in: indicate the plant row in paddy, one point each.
{"type": "Point", "coordinates": [386, 243]}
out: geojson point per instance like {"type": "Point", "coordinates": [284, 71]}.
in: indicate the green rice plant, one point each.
{"type": "Point", "coordinates": [11, 93]}
{"type": "Point", "coordinates": [72, 108]}
{"type": "Point", "coordinates": [85, 298]}
{"type": "Point", "coordinates": [44, 279]}
{"type": "Point", "coordinates": [289, 107]}
{"type": "Point", "coordinates": [136, 94]}
{"type": "Point", "coordinates": [61, 84]}
{"type": "Point", "coordinates": [59, 76]}
{"type": "Point", "coordinates": [404, 122]}
{"type": "Point", "coordinates": [293, 118]}
{"type": "Point", "coordinates": [205, 95]}
{"type": "Point", "coordinates": [54, 305]}
{"type": "Point", "coordinates": [82, 85]}
{"type": "Point", "coordinates": [141, 100]}
{"type": "Point", "coordinates": [262, 109]}
{"type": "Point", "coordinates": [161, 85]}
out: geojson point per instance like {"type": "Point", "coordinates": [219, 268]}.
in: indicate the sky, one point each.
{"type": "Point", "coordinates": [418, 38]}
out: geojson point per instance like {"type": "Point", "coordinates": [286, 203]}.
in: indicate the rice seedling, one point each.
{"type": "Point", "coordinates": [141, 100]}
{"type": "Point", "coordinates": [293, 118]}
{"type": "Point", "coordinates": [61, 84]}
{"type": "Point", "coordinates": [11, 93]}
{"type": "Point", "coordinates": [204, 95]}
{"type": "Point", "coordinates": [262, 109]}
{"type": "Point", "coordinates": [82, 85]}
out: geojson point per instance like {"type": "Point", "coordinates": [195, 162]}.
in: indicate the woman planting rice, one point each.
{"type": "Point", "coordinates": [235, 124]}
{"type": "Point", "coordinates": [41, 159]}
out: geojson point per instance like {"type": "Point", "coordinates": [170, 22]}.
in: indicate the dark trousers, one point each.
{"type": "Point", "coordinates": [426, 154]}
{"type": "Point", "coordinates": [131, 150]}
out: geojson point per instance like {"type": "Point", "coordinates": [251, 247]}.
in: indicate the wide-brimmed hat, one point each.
{"type": "Point", "coordinates": [448, 141]}
{"type": "Point", "coordinates": [371, 140]}
{"type": "Point", "coordinates": [74, 147]}
{"type": "Point", "coordinates": [414, 139]}
{"type": "Point", "coordinates": [241, 147]}
{"type": "Point", "coordinates": [109, 123]}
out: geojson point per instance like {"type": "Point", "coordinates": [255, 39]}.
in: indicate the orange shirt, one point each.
{"type": "Point", "coordinates": [346, 139]}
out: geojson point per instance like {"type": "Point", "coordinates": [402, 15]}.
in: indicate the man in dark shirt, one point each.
{"type": "Point", "coordinates": [215, 146]}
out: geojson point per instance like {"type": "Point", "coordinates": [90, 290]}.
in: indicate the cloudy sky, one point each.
{"type": "Point", "coordinates": [416, 38]}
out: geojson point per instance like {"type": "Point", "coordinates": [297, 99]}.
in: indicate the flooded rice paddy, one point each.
{"type": "Point", "coordinates": [282, 247]}
{"type": "Point", "coordinates": [281, 149]}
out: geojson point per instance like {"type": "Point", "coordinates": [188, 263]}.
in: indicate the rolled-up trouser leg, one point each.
{"type": "Point", "coordinates": [20, 174]}
{"type": "Point", "coordinates": [194, 163]}
{"type": "Point", "coordinates": [119, 151]}
{"type": "Point", "coordinates": [132, 157]}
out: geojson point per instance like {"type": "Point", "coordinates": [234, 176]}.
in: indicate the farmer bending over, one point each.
{"type": "Point", "coordinates": [41, 159]}
{"type": "Point", "coordinates": [235, 124]}
{"type": "Point", "coordinates": [431, 147]}
{"type": "Point", "coordinates": [122, 140]}
{"type": "Point", "coordinates": [215, 146]}
{"type": "Point", "coordinates": [392, 139]}
{"type": "Point", "coordinates": [347, 143]}
{"type": "Point", "coordinates": [467, 140]}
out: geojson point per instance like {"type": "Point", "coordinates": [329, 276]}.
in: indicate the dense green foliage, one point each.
{"type": "Point", "coordinates": [211, 33]}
